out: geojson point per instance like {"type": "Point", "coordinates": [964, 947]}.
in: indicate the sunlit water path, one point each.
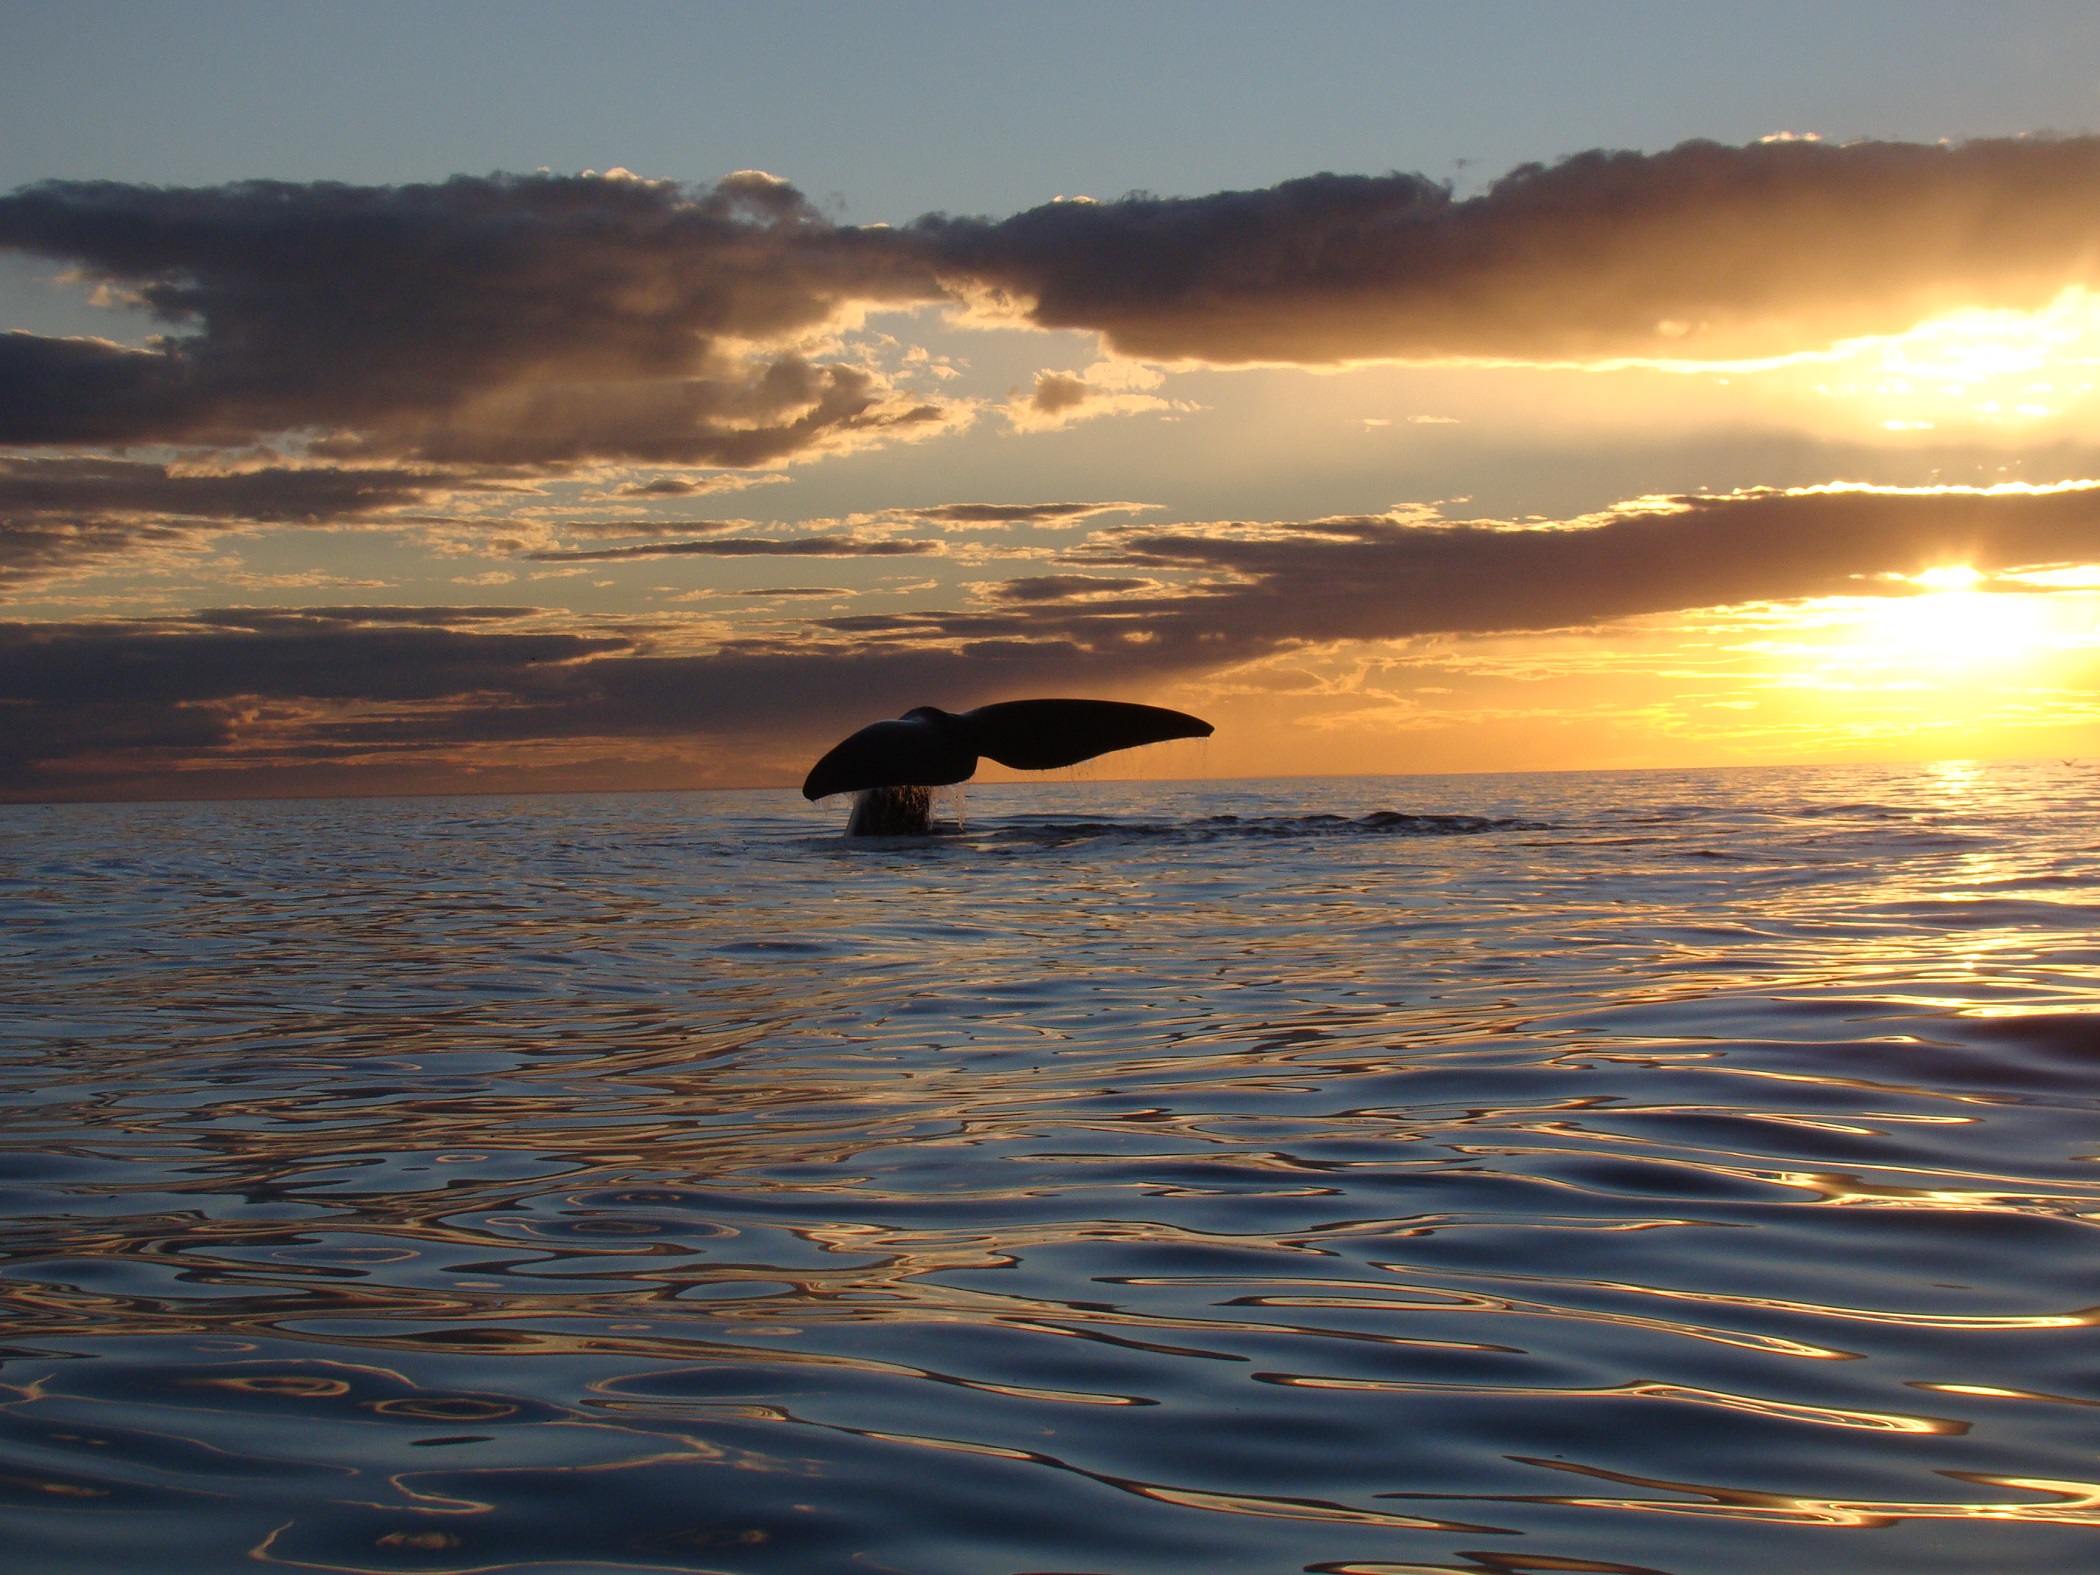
{"type": "Point", "coordinates": [1671, 1171]}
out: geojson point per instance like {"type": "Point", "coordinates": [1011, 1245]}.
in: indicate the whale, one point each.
{"type": "Point", "coordinates": [894, 765]}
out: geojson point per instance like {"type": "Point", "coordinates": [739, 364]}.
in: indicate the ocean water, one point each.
{"type": "Point", "coordinates": [1685, 1172]}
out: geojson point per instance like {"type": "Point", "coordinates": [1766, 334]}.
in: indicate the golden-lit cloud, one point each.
{"type": "Point", "coordinates": [1701, 254]}
{"type": "Point", "coordinates": [499, 320]}
{"type": "Point", "coordinates": [541, 379]}
{"type": "Point", "coordinates": [62, 515]}
{"type": "Point", "coordinates": [545, 319]}
{"type": "Point", "coordinates": [990, 516]}
{"type": "Point", "coordinates": [1758, 624]}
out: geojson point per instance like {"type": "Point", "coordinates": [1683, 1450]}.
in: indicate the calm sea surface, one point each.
{"type": "Point", "coordinates": [1668, 1171]}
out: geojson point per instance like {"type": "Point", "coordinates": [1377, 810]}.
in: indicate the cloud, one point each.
{"type": "Point", "coordinates": [96, 700]}
{"type": "Point", "coordinates": [1058, 392]}
{"type": "Point", "coordinates": [264, 619]}
{"type": "Point", "coordinates": [742, 413]}
{"type": "Point", "coordinates": [66, 515]}
{"type": "Point", "coordinates": [969, 514]}
{"type": "Point", "coordinates": [346, 699]}
{"type": "Point", "coordinates": [70, 487]}
{"type": "Point", "coordinates": [345, 695]}
{"type": "Point", "coordinates": [1246, 590]}
{"type": "Point", "coordinates": [745, 547]}
{"type": "Point", "coordinates": [302, 580]}
{"type": "Point", "coordinates": [395, 346]}
{"type": "Point", "coordinates": [645, 527]}
{"type": "Point", "coordinates": [1107, 388]}
{"type": "Point", "coordinates": [1701, 252]}
{"type": "Point", "coordinates": [505, 319]}
{"type": "Point", "coordinates": [1260, 587]}
{"type": "Point", "coordinates": [550, 321]}
{"type": "Point", "coordinates": [690, 486]}
{"type": "Point", "coordinates": [1062, 587]}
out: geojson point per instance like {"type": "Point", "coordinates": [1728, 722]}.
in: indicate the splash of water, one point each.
{"type": "Point", "coordinates": [902, 811]}
{"type": "Point", "coordinates": [891, 812]}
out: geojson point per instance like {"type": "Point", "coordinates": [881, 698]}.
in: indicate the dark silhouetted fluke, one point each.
{"type": "Point", "coordinates": [928, 747]}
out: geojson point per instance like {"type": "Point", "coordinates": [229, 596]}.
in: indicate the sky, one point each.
{"type": "Point", "coordinates": [436, 397]}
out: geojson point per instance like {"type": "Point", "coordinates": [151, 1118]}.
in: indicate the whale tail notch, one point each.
{"type": "Point", "coordinates": [927, 747]}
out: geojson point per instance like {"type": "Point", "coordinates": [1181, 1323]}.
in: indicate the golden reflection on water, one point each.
{"type": "Point", "coordinates": [2067, 1503]}
{"type": "Point", "coordinates": [1822, 1416]}
{"type": "Point", "coordinates": [1954, 781]}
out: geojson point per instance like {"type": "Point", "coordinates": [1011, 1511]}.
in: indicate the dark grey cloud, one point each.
{"type": "Point", "coordinates": [1057, 392]}
{"type": "Point", "coordinates": [407, 654]}
{"type": "Point", "coordinates": [646, 527]}
{"type": "Point", "coordinates": [61, 514]}
{"type": "Point", "coordinates": [35, 551]}
{"type": "Point", "coordinates": [145, 706]}
{"type": "Point", "coordinates": [502, 319]}
{"type": "Point", "coordinates": [1246, 590]}
{"type": "Point", "coordinates": [260, 700]}
{"type": "Point", "coordinates": [1062, 587]}
{"type": "Point", "coordinates": [548, 320]}
{"type": "Point", "coordinates": [739, 417]}
{"type": "Point", "coordinates": [71, 487]}
{"type": "Point", "coordinates": [1700, 251]}
{"type": "Point", "coordinates": [1256, 588]}
{"type": "Point", "coordinates": [661, 487]}
{"type": "Point", "coordinates": [84, 706]}
{"type": "Point", "coordinates": [744, 547]}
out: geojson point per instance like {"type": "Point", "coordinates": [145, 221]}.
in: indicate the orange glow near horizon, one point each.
{"type": "Point", "coordinates": [1948, 669]}
{"type": "Point", "coordinates": [1944, 635]}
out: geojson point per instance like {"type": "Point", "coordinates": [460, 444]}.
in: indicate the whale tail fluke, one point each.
{"type": "Point", "coordinates": [1041, 735]}
{"type": "Point", "coordinates": [917, 750]}
{"type": "Point", "coordinates": [927, 747]}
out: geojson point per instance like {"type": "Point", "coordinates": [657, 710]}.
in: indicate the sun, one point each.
{"type": "Point", "coordinates": [1950, 626]}
{"type": "Point", "coordinates": [1953, 577]}
{"type": "Point", "coordinates": [1951, 659]}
